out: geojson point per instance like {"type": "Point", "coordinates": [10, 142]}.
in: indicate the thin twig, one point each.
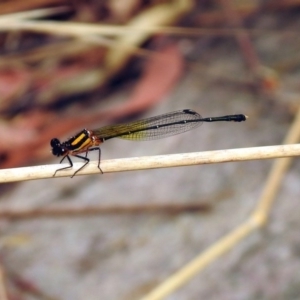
{"type": "Point", "coordinates": [68, 211]}
{"type": "Point", "coordinates": [82, 29]}
{"type": "Point", "coordinates": [151, 162]}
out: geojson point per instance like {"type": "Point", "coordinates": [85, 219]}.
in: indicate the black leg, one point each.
{"type": "Point", "coordinates": [87, 160]}
{"type": "Point", "coordinates": [70, 166]}
{"type": "Point", "coordinates": [99, 157]}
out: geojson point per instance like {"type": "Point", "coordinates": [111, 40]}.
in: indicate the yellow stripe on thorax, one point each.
{"type": "Point", "coordinates": [86, 143]}
{"type": "Point", "coordinates": [79, 138]}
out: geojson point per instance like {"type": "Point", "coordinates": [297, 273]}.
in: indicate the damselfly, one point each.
{"type": "Point", "coordinates": [142, 130]}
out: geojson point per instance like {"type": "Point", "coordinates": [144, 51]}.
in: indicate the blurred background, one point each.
{"type": "Point", "coordinates": [69, 65]}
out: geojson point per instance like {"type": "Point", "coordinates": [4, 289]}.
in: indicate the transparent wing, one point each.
{"type": "Point", "coordinates": [152, 128]}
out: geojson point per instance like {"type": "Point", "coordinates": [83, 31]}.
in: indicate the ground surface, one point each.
{"type": "Point", "coordinates": [124, 256]}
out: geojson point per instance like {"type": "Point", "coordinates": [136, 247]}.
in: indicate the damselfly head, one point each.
{"type": "Point", "coordinates": [57, 148]}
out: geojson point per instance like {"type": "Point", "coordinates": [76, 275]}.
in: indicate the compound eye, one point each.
{"type": "Point", "coordinates": [57, 148]}
{"type": "Point", "coordinates": [54, 143]}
